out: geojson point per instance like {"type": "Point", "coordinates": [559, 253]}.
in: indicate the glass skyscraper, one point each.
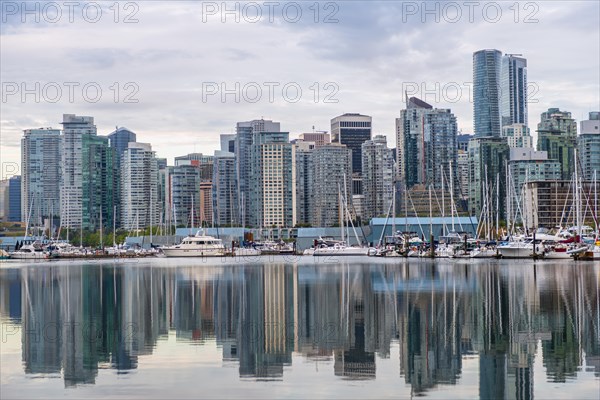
{"type": "Point", "coordinates": [41, 171]}
{"type": "Point", "coordinates": [513, 88]}
{"type": "Point", "coordinates": [486, 92]}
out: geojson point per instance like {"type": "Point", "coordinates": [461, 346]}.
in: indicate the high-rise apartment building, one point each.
{"type": "Point", "coordinates": [487, 66]}
{"type": "Point", "coordinates": [303, 159]}
{"type": "Point", "coordinates": [118, 140]}
{"type": "Point", "coordinates": [513, 90]}
{"type": "Point", "coordinates": [426, 145]}
{"type": "Point", "coordinates": [557, 135]}
{"type": "Point", "coordinates": [40, 169]}
{"type": "Point", "coordinates": [588, 147]}
{"type": "Point", "coordinates": [87, 178]}
{"type": "Point", "coordinates": [225, 205]}
{"type": "Point", "coordinates": [377, 177]}
{"type": "Point", "coordinates": [332, 166]}
{"type": "Point", "coordinates": [272, 191]}
{"type": "Point", "coordinates": [10, 199]}
{"type": "Point", "coordinates": [487, 165]}
{"type": "Point", "coordinates": [139, 187]}
{"type": "Point", "coordinates": [244, 139]}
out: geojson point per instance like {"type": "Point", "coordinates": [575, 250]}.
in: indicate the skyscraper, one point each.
{"type": "Point", "coordinates": [486, 92]}
{"type": "Point", "coordinates": [98, 177]}
{"type": "Point", "coordinates": [332, 164]}
{"type": "Point", "coordinates": [86, 189]}
{"type": "Point", "coordinates": [352, 130]}
{"type": "Point", "coordinates": [303, 155]}
{"type": "Point", "coordinates": [118, 140]}
{"type": "Point", "coordinates": [377, 177]}
{"type": "Point", "coordinates": [40, 164]}
{"type": "Point", "coordinates": [588, 145]}
{"type": "Point", "coordinates": [487, 165]}
{"type": "Point", "coordinates": [244, 139]}
{"type": "Point", "coordinates": [426, 144]}
{"type": "Point", "coordinates": [225, 205]}
{"type": "Point", "coordinates": [557, 135]}
{"type": "Point", "coordinates": [139, 187]}
{"type": "Point", "coordinates": [272, 192]}
{"type": "Point", "coordinates": [10, 199]}
{"type": "Point", "coordinates": [513, 90]}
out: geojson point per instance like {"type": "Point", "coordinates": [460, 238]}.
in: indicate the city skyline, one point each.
{"type": "Point", "coordinates": [171, 115]}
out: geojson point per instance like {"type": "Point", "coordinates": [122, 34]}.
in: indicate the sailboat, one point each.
{"type": "Point", "coordinates": [341, 248]}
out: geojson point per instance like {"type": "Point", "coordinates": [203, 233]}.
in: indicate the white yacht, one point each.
{"type": "Point", "coordinates": [32, 251]}
{"type": "Point", "coordinates": [519, 248]}
{"type": "Point", "coordinates": [200, 245]}
{"type": "Point", "coordinates": [341, 249]}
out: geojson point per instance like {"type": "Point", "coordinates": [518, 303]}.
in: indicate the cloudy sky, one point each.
{"type": "Point", "coordinates": [162, 66]}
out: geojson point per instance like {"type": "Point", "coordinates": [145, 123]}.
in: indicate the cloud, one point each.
{"type": "Point", "coordinates": [372, 52]}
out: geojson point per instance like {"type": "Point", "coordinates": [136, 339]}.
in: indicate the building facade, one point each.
{"type": "Point", "coordinates": [243, 152]}
{"type": "Point", "coordinates": [549, 203]}
{"type": "Point", "coordinates": [332, 168]}
{"type": "Point", "coordinates": [272, 190]}
{"type": "Point", "coordinates": [487, 164]}
{"type": "Point", "coordinates": [118, 140]}
{"type": "Point", "coordinates": [41, 171]}
{"type": "Point", "coordinates": [557, 135]}
{"type": "Point", "coordinates": [588, 147]}
{"type": "Point", "coordinates": [517, 135]}
{"type": "Point", "coordinates": [513, 92]}
{"type": "Point", "coordinates": [527, 165]}
{"type": "Point", "coordinates": [426, 145]}
{"type": "Point", "coordinates": [319, 138]}
{"type": "Point", "coordinates": [486, 92]}
{"type": "Point", "coordinates": [139, 187]}
{"type": "Point", "coordinates": [225, 205]}
{"type": "Point", "coordinates": [352, 130]}
{"type": "Point", "coordinates": [377, 177]}
{"type": "Point", "coordinates": [10, 199]}
{"type": "Point", "coordinates": [87, 176]}
{"type": "Point", "coordinates": [303, 159]}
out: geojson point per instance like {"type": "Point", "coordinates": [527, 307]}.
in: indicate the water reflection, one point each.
{"type": "Point", "coordinates": [76, 320]}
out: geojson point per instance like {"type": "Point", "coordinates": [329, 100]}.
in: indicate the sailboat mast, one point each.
{"type": "Point", "coordinates": [497, 204]}
{"type": "Point", "coordinates": [115, 227]}
{"type": "Point", "coordinates": [101, 231]}
{"type": "Point", "coordinates": [443, 201]}
{"type": "Point", "coordinates": [430, 216]}
{"type": "Point", "coordinates": [451, 195]}
{"type": "Point", "coordinates": [577, 197]}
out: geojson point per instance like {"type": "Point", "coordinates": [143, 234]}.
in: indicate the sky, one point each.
{"type": "Point", "coordinates": [171, 71]}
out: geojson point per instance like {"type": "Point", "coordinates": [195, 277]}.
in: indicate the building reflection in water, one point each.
{"type": "Point", "coordinates": [76, 320]}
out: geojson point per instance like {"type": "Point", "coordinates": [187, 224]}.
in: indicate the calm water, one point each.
{"type": "Point", "coordinates": [300, 328]}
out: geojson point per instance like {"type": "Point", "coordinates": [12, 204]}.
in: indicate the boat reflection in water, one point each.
{"type": "Point", "coordinates": [425, 319]}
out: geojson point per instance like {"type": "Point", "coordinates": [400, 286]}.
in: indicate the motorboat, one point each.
{"type": "Point", "coordinates": [200, 245]}
{"type": "Point", "coordinates": [33, 251]}
{"type": "Point", "coordinates": [522, 248]}
{"type": "Point", "coordinates": [341, 249]}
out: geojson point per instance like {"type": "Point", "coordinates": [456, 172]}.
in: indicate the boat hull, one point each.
{"type": "Point", "coordinates": [193, 252]}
